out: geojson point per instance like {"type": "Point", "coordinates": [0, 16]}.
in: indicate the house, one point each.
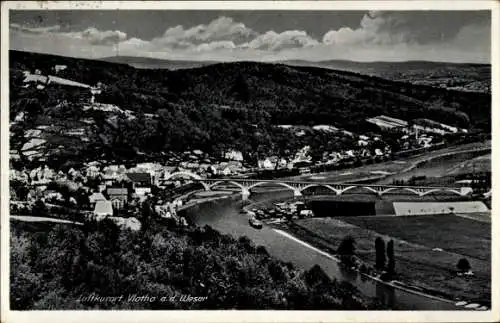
{"type": "Point", "coordinates": [141, 182]}
{"type": "Point", "coordinates": [113, 173]}
{"type": "Point", "coordinates": [365, 153]}
{"type": "Point", "coordinates": [102, 210]}
{"type": "Point", "coordinates": [265, 163]}
{"type": "Point", "coordinates": [362, 143]}
{"type": "Point", "coordinates": [303, 154]}
{"type": "Point", "coordinates": [101, 187]}
{"type": "Point", "coordinates": [212, 170]}
{"type": "Point", "coordinates": [94, 197]}
{"type": "Point", "coordinates": [92, 171]}
{"type": "Point", "coordinates": [387, 123]}
{"type": "Point", "coordinates": [118, 197]}
{"type": "Point", "coordinates": [59, 68]}
{"type": "Point", "coordinates": [350, 154]}
{"type": "Point", "coordinates": [325, 128]}
{"type": "Point", "coordinates": [51, 195]}
{"type": "Point", "coordinates": [234, 155]}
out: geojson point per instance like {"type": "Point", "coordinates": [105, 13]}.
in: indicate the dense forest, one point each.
{"type": "Point", "coordinates": [238, 105]}
{"type": "Point", "coordinates": [57, 266]}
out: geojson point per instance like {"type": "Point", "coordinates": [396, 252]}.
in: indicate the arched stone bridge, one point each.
{"type": "Point", "coordinates": [299, 186]}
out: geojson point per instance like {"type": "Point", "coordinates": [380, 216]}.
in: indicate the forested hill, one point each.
{"type": "Point", "coordinates": [227, 105]}
{"type": "Point", "coordinates": [289, 94]}
{"type": "Point", "coordinates": [314, 95]}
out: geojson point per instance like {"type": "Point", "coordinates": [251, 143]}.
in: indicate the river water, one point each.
{"type": "Point", "coordinates": [224, 215]}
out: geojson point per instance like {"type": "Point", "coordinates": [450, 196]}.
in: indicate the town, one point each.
{"type": "Point", "coordinates": [115, 190]}
{"type": "Point", "coordinates": [254, 181]}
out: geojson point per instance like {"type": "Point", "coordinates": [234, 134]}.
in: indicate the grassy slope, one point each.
{"type": "Point", "coordinates": [414, 239]}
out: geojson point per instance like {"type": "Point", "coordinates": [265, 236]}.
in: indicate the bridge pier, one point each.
{"type": "Point", "coordinates": [297, 193]}
{"type": "Point", "coordinates": [245, 193]}
{"type": "Point", "coordinates": [206, 186]}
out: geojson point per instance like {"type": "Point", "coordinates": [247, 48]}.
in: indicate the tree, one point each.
{"type": "Point", "coordinates": [240, 88]}
{"type": "Point", "coordinates": [346, 250]}
{"type": "Point", "coordinates": [390, 256]}
{"type": "Point", "coordinates": [39, 209]}
{"type": "Point", "coordinates": [380, 253]}
{"type": "Point", "coordinates": [463, 265]}
{"type": "Point", "coordinates": [347, 246]}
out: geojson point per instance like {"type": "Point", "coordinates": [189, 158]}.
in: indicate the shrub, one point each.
{"type": "Point", "coordinates": [390, 256]}
{"type": "Point", "coordinates": [380, 253]}
{"type": "Point", "coordinates": [463, 265]}
{"type": "Point", "coordinates": [347, 246]}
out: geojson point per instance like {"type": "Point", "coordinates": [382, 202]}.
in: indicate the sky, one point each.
{"type": "Point", "coordinates": [447, 36]}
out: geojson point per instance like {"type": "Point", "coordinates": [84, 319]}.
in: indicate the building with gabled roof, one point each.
{"type": "Point", "coordinates": [118, 196]}
{"type": "Point", "coordinates": [103, 209]}
{"type": "Point", "coordinates": [96, 196]}
{"type": "Point", "coordinates": [141, 182]}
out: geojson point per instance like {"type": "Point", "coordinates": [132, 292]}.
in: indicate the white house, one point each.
{"type": "Point", "coordinates": [234, 155]}
{"type": "Point", "coordinates": [349, 153]}
{"type": "Point", "coordinates": [266, 163]}
{"type": "Point", "coordinates": [92, 171]}
{"type": "Point", "coordinates": [59, 68]}
{"type": "Point", "coordinates": [102, 210]}
{"type": "Point", "coordinates": [96, 196]}
{"type": "Point", "coordinates": [362, 143]}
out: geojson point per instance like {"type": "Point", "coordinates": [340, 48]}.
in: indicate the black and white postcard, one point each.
{"type": "Point", "coordinates": [272, 161]}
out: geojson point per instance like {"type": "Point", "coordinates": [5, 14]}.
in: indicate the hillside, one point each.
{"type": "Point", "coordinates": [458, 76]}
{"type": "Point", "coordinates": [230, 105]}
{"type": "Point", "coordinates": [155, 63]}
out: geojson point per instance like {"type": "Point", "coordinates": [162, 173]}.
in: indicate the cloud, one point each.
{"type": "Point", "coordinates": [90, 43]}
{"type": "Point", "coordinates": [391, 36]}
{"type": "Point", "coordinates": [278, 41]}
{"type": "Point", "coordinates": [32, 30]}
{"type": "Point", "coordinates": [95, 36]}
{"type": "Point", "coordinates": [216, 45]}
{"type": "Point", "coordinates": [377, 28]}
{"type": "Point", "coordinates": [219, 30]}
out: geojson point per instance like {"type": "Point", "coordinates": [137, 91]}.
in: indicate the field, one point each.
{"type": "Point", "coordinates": [448, 232]}
{"type": "Point", "coordinates": [415, 237]}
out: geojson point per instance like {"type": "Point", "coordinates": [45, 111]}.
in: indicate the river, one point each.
{"type": "Point", "coordinates": [224, 215]}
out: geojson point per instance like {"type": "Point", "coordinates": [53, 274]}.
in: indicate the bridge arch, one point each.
{"type": "Point", "coordinates": [228, 181]}
{"type": "Point", "coordinates": [182, 173]}
{"type": "Point", "coordinates": [348, 188]}
{"type": "Point", "coordinates": [336, 191]}
{"type": "Point", "coordinates": [276, 183]}
{"type": "Point", "coordinates": [459, 192]}
{"type": "Point", "coordinates": [366, 188]}
{"type": "Point", "coordinates": [451, 190]}
{"type": "Point", "coordinates": [414, 191]}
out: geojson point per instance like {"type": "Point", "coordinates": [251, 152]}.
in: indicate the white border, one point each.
{"type": "Point", "coordinates": [249, 316]}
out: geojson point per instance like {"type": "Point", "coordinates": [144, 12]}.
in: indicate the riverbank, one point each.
{"type": "Point", "coordinates": [420, 268]}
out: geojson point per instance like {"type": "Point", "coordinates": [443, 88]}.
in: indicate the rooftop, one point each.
{"type": "Point", "coordinates": [103, 207]}
{"type": "Point", "coordinates": [117, 191]}
{"type": "Point", "coordinates": [139, 177]}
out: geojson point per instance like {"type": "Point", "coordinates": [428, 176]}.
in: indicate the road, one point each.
{"type": "Point", "coordinates": [29, 218]}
